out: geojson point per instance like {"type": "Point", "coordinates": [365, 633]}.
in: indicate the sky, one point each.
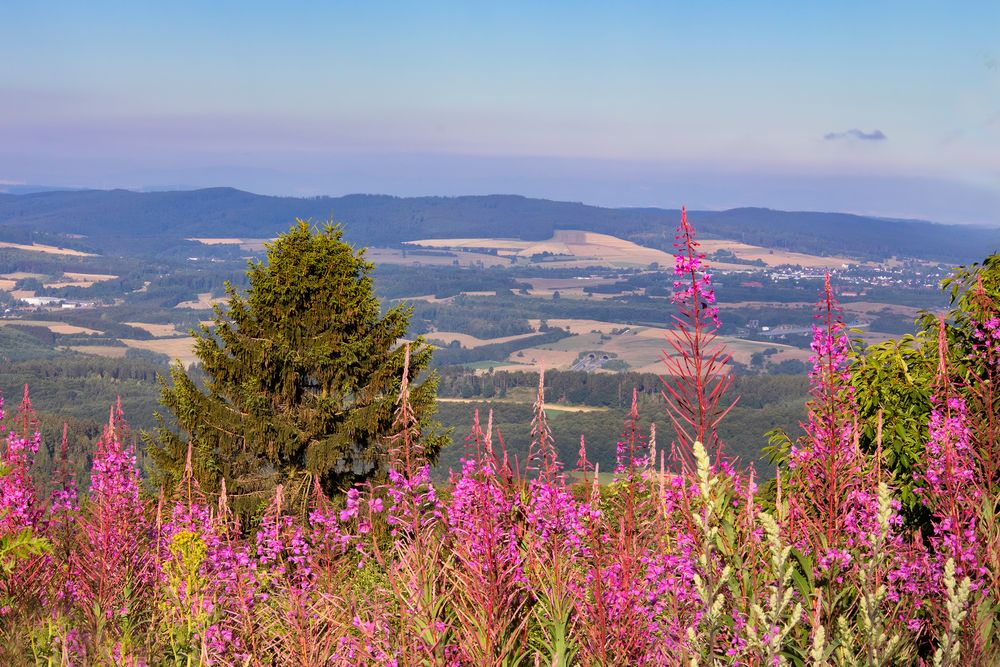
{"type": "Point", "coordinates": [886, 108]}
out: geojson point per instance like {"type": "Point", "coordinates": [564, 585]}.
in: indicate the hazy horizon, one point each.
{"type": "Point", "coordinates": [890, 109]}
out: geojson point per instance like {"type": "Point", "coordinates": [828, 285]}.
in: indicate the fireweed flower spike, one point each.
{"type": "Point", "coordinates": [697, 378]}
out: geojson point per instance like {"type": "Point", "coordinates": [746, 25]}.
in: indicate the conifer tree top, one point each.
{"type": "Point", "coordinates": [303, 371]}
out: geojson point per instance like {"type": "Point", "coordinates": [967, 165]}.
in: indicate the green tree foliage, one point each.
{"type": "Point", "coordinates": [896, 379]}
{"type": "Point", "coordinates": [302, 375]}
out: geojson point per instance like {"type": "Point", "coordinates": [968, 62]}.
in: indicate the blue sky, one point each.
{"type": "Point", "coordinates": [890, 108]}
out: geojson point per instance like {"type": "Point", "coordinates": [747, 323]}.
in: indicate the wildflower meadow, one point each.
{"type": "Point", "coordinates": [678, 556]}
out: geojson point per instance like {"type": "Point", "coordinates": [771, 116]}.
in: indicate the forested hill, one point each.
{"type": "Point", "coordinates": [125, 222]}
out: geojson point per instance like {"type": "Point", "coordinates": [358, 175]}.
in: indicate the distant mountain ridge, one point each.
{"type": "Point", "coordinates": [127, 222]}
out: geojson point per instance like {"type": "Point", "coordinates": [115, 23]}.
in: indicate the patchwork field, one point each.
{"type": "Point", "coordinates": [49, 249]}
{"type": "Point", "coordinates": [640, 347]}
{"type": "Point", "coordinates": [571, 248]}
{"type": "Point", "coordinates": [773, 257]}
{"type": "Point", "coordinates": [577, 249]}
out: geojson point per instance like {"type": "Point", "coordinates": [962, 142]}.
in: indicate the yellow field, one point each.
{"type": "Point", "coordinates": [205, 301]}
{"type": "Point", "coordinates": [467, 341]}
{"type": "Point", "coordinates": [852, 308]}
{"type": "Point", "coordinates": [217, 241]}
{"type": "Point", "coordinates": [181, 347]}
{"type": "Point", "coordinates": [249, 245]}
{"type": "Point", "coordinates": [6, 284]}
{"type": "Point", "coordinates": [109, 351]}
{"type": "Point", "coordinates": [576, 249]}
{"type": "Point", "coordinates": [586, 249]}
{"type": "Point", "coordinates": [507, 246]}
{"type": "Point", "coordinates": [774, 257]}
{"type": "Point", "coordinates": [70, 279]}
{"type": "Point", "coordinates": [52, 250]}
{"type": "Point", "coordinates": [54, 327]}
{"type": "Point", "coordinates": [18, 275]}
{"type": "Point", "coordinates": [158, 330]}
{"type": "Point", "coordinates": [640, 347]}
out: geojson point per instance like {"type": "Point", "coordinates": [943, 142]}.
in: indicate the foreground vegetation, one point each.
{"type": "Point", "coordinates": [878, 543]}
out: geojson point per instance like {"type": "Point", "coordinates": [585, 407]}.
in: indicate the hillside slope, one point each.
{"type": "Point", "coordinates": [125, 222]}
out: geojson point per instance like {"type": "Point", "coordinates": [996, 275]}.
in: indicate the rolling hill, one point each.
{"type": "Point", "coordinates": [127, 223]}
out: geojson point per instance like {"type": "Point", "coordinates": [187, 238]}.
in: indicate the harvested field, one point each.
{"type": "Point", "coordinates": [70, 279]}
{"type": "Point", "coordinates": [567, 249]}
{"type": "Point", "coordinates": [511, 246]}
{"type": "Point", "coordinates": [54, 327]}
{"type": "Point", "coordinates": [429, 298]}
{"type": "Point", "coordinates": [216, 241]}
{"type": "Point", "coordinates": [19, 275]}
{"type": "Point", "coordinates": [181, 347]}
{"type": "Point", "coordinates": [772, 257]}
{"type": "Point", "coordinates": [640, 347]}
{"type": "Point", "coordinates": [567, 283]}
{"type": "Point", "coordinates": [158, 330]}
{"type": "Point", "coordinates": [467, 341]}
{"type": "Point", "coordinates": [580, 248]}
{"type": "Point", "coordinates": [249, 245]}
{"type": "Point", "coordinates": [395, 256]}
{"type": "Point", "coordinates": [109, 351]}
{"type": "Point", "coordinates": [49, 249]}
{"type": "Point", "coordinates": [205, 301]}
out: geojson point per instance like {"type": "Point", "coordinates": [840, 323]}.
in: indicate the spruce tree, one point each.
{"type": "Point", "coordinates": [302, 374]}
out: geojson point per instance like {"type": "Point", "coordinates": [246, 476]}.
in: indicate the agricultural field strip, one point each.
{"type": "Point", "coordinates": [641, 347]}
{"type": "Point", "coordinates": [181, 347]}
{"type": "Point", "coordinates": [48, 249]}
{"type": "Point", "coordinates": [157, 330]}
{"type": "Point", "coordinates": [469, 342]}
{"type": "Point", "coordinates": [54, 327]}
{"type": "Point", "coordinates": [73, 279]}
{"type": "Point", "coordinates": [464, 258]}
{"type": "Point", "coordinates": [205, 301]}
{"type": "Point", "coordinates": [613, 250]}
{"type": "Point", "coordinates": [773, 257]}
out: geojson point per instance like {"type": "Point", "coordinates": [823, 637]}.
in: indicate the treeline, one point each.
{"type": "Point", "coordinates": [75, 389]}
{"type": "Point", "coordinates": [765, 403]}
{"type": "Point", "coordinates": [394, 281]}
{"type": "Point", "coordinates": [606, 389]}
{"type": "Point", "coordinates": [470, 315]}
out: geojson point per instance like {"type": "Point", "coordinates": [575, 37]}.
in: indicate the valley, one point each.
{"type": "Point", "coordinates": [589, 301]}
